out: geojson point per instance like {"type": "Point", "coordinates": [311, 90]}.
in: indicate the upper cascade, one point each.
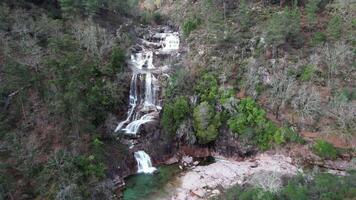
{"type": "Point", "coordinates": [144, 99]}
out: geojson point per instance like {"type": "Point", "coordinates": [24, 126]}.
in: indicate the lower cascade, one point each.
{"type": "Point", "coordinates": [144, 164]}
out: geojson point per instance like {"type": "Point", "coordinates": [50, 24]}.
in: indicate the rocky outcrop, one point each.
{"type": "Point", "coordinates": [203, 182]}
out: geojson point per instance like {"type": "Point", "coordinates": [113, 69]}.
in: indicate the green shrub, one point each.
{"type": "Point", "coordinates": [244, 15]}
{"type": "Point", "coordinates": [334, 27]}
{"type": "Point", "coordinates": [248, 116]}
{"type": "Point", "coordinates": [283, 26]}
{"type": "Point", "coordinates": [325, 149]}
{"type": "Point", "coordinates": [208, 88]}
{"type": "Point", "coordinates": [190, 25]}
{"type": "Point", "coordinates": [89, 166]}
{"type": "Point", "coordinates": [206, 123]}
{"type": "Point", "coordinates": [174, 113]}
{"type": "Point", "coordinates": [318, 37]}
{"type": "Point", "coordinates": [250, 121]}
{"type": "Point", "coordinates": [117, 59]}
{"type": "Point", "coordinates": [312, 8]}
{"type": "Point", "coordinates": [291, 135]}
{"type": "Point", "coordinates": [307, 72]}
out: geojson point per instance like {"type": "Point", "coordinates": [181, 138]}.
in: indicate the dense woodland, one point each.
{"type": "Point", "coordinates": [268, 73]}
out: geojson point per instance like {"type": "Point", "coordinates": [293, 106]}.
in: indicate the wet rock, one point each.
{"type": "Point", "coordinates": [172, 160]}
{"type": "Point", "coordinates": [187, 159]}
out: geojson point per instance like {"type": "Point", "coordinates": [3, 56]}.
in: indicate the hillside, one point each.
{"type": "Point", "coordinates": [94, 91]}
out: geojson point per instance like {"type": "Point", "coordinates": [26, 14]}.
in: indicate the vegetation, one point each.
{"type": "Point", "coordinates": [312, 8]}
{"type": "Point", "coordinates": [206, 123]}
{"type": "Point", "coordinates": [207, 88]}
{"type": "Point", "coordinates": [250, 121]}
{"type": "Point", "coordinates": [190, 25]}
{"type": "Point", "coordinates": [174, 113]}
{"type": "Point", "coordinates": [253, 65]}
{"type": "Point", "coordinates": [325, 149]}
{"type": "Point", "coordinates": [334, 27]}
{"type": "Point", "coordinates": [322, 186]}
{"type": "Point", "coordinates": [283, 26]}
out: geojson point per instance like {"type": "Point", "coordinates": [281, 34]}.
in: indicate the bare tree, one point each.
{"type": "Point", "coordinates": [96, 40]}
{"type": "Point", "coordinates": [307, 102]}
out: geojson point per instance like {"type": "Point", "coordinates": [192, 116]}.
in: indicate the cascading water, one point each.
{"type": "Point", "coordinates": [144, 164]}
{"type": "Point", "coordinates": [144, 104]}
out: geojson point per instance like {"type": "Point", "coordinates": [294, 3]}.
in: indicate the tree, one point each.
{"type": "Point", "coordinates": [206, 123]}
{"type": "Point", "coordinates": [174, 113]}
{"type": "Point", "coordinates": [312, 8]}
{"type": "Point", "coordinates": [283, 26]}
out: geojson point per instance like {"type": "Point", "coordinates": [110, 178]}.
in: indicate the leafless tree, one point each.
{"type": "Point", "coordinates": [307, 102]}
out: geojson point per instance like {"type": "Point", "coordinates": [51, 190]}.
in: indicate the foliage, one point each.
{"type": "Point", "coordinates": [248, 115]}
{"type": "Point", "coordinates": [89, 7]}
{"type": "Point", "coordinates": [206, 123]}
{"type": "Point", "coordinates": [283, 26]}
{"type": "Point", "coordinates": [77, 91]}
{"type": "Point", "coordinates": [250, 121]}
{"type": "Point", "coordinates": [244, 15]}
{"type": "Point", "coordinates": [312, 7]}
{"type": "Point", "coordinates": [117, 60]}
{"type": "Point", "coordinates": [334, 27]}
{"type": "Point", "coordinates": [190, 25]}
{"type": "Point", "coordinates": [325, 149]}
{"type": "Point", "coordinates": [64, 168]}
{"type": "Point", "coordinates": [318, 37]}
{"type": "Point", "coordinates": [149, 17]}
{"type": "Point", "coordinates": [179, 84]}
{"type": "Point", "coordinates": [207, 88]}
{"type": "Point", "coordinates": [323, 186]}
{"type": "Point", "coordinates": [307, 72]}
{"type": "Point", "coordinates": [174, 113]}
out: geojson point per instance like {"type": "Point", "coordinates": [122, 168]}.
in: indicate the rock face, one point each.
{"type": "Point", "coordinates": [203, 182]}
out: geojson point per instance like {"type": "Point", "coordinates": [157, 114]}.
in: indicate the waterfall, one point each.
{"type": "Point", "coordinates": [144, 164]}
{"type": "Point", "coordinates": [144, 99]}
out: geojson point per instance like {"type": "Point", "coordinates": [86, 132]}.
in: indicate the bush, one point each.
{"type": "Point", "coordinates": [312, 8]}
{"type": "Point", "coordinates": [307, 72]}
{"type": "Point", "coordinates": [207, 88]}
{"type": "Point", "coordinates": [206, 123]}
{"type": "Point", "coordinates": [190, 25]}
{"type": "Point", "coordinates": [325, 149]}
{"type": "Point", "coordinates": [244, 16]}
{"type": "Point", "coordinates": [283, 26]}
{"type": "Point", "coordinates": [117, 60]}
{"type": "Point", "coordinates": [318, 37]}
{"type": "Point", "coordinates": [174, 114]}
{"type": "Point", "coordinates": [334, 27]}
{"type": "Point", "coordinates": [250, 121]}
{"type": "Point", "coordinates": [248, 116]}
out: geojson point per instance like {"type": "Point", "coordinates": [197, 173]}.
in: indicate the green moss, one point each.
{"type": "Point", "coordinates": [325, 149]}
